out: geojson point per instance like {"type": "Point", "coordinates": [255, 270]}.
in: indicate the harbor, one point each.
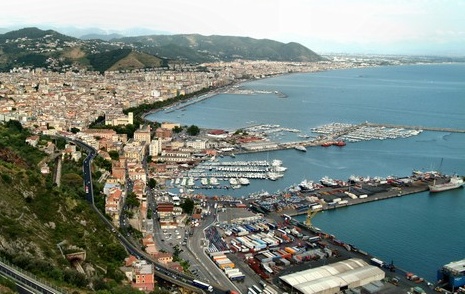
{"type": "Point", "coordinates": [332, 134]}
{"type": "Point", "coordinates": [422, 217]}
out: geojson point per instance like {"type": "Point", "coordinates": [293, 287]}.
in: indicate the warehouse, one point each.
{"type": "Point", "coordinates": [333, 278]}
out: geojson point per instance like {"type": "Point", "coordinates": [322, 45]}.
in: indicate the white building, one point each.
{"type": "Point", "coordinates": [197, 144]}
{"type": "Point", "coordinates": [155, 147]}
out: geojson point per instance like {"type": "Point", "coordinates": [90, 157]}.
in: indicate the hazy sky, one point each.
{"type": "Point", "coordinates": [369, 26]}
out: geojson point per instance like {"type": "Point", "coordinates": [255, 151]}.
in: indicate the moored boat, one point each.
{"type": "Point", "coordinates": [328, 182]}
{"type": "Point", "coordinates": [454, 183]}
{"type": "Point", "coordinates": [300, 148]}
{"type": "Point", "coordinates": [244, 181]}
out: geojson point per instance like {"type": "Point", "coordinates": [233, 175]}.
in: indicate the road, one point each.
{"type": "Point", "coordinates": [163, 272]}
{"type": "Point", "coordinates": [26, 283]}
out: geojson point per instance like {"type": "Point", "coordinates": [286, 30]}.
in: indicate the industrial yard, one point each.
{"type": "Point", "coordinates": [256, 240]}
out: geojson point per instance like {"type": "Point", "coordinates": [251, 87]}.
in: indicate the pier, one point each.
{"type": "Point", "coordinates": [432, 129]}
{"type": "Point", "coordinates": [351, 133]}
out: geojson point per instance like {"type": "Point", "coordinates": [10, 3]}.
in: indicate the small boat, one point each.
{"type": "Point", "coordinates": [300, 148]}
{"type": "Point", "coordinates": [339, 143]}
{"type": "Point", "coordinates": [244, 181]}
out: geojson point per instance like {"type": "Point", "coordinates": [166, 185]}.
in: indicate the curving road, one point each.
{"type": "Point", "coordinates": [172, 276]}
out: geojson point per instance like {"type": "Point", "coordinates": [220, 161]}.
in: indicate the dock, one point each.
{"type": "Point", "coordinates": [349, 196]}
{"type": "Point", "coordinates": [432, 129]}
{"type": "Point", "coordinates": [351, 133]}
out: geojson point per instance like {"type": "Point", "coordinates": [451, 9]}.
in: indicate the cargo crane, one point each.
{"type": "Point", "coordinates": [311, 212]}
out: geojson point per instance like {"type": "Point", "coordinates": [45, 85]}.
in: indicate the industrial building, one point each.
{"type": "Point", "coordinates": [453, 274]}
{"type": "Point", "coordinates": [333, 278]}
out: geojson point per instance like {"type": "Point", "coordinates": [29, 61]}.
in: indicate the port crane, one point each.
{"type": "Point", "coordinates": [310, 214]}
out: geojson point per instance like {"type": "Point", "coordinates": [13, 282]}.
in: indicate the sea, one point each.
{"type": "Point", "coordinates": [418, 233]}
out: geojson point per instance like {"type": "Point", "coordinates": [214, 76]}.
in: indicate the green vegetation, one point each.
{"type": "Point", "coordinates": [38, 214]}
{"type": "Point", "coordinates": [7, 286]}
{"type": "Point", "coordinates": [177, 130]}
{"type": "Point", "coordinates": [193, 130]}
{"type": "Point", "coordinates": [113, 154]}
{"type": "Point", "coordinates": [141, 110]}
{"type": "Point", "coordinates": [33, 47]}
{"type": "Point", "coordinates": [138, 60]}
{"type": "Point", "coordinates": [103, 61]}
{"type": "Point", "coordinates": [188, 206]}
{"type": "Point", "coordinates": [197, 48]}
{"type": "Point", "coordinates": [152, 183]}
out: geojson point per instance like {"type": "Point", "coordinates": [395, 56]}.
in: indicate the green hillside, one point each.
{"type": "Point", "coordinates": [36, 48]}
{"type": "Point", "coordinates": [123, 59]}
{"type": "Point", "coordinates": [200, 48]}
{"type": "Point", "coordinates": [38, 218]}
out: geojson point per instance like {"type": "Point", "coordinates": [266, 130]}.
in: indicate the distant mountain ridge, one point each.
{"type": "Point", "coordinates": [36, 48]}
{"type": "Point", "coordinates": [226, 48]}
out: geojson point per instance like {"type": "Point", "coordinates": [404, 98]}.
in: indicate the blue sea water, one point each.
{"type": "Point", "coordinates": [420, 232]}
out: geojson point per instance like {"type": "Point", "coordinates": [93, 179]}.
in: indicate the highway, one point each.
{"type": "Point", "coordinates": [25, 283]}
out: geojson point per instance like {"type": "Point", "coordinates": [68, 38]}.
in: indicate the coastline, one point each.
{"type": "Point", "coordinates": [381, 197]}
{"type": "Point", "coordinates": [214, 91]}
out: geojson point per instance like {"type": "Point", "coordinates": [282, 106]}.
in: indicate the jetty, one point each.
{"type": "Point", "coordinates": [334, 132]}
{"type": "Point", "coordinates": [295, 202]}
{"type": "Point", "coordinates": [432, 129]}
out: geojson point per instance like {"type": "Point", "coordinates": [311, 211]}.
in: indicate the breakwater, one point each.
{"type": "Point", "coordinates": [339, 132]}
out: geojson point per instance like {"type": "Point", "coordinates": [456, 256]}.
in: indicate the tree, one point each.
{"type": "Point", "coordinates": [132, 201]}
{"type": "Point", "coordinates": [188, 206]}
{"type": "Point", "coordinates": [152, 183]}
{"type": "Point", "coordinates": [74, 130]}
{"type": "Point", "coordinates": [14, 125]}
{"type": "Point", "coordinates": [193, 130]}
{"type": "Point", "coordinates": [177, 129]}
{"type": "Point", "coordinates": [113, 154]}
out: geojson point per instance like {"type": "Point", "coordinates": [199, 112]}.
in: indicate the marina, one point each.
{"type": "Point", "coordinates": [228, 174]}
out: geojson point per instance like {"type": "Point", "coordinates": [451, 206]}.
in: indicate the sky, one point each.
{"type": "Point", "coordinates": [425, 27]}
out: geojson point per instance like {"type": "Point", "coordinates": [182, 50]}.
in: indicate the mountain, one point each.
{"type": "Point", "coordinates": [199, 48]}
{"type": "Point", "coordinates": [34, 33]}
{"type": "Point", "coordinates": [32, 47]}
{"type": "Point", "coordinates": [124, 59]}
{"type": "Point", "coordinates": [36, 48]}
{"type": "Point", "coordinates": [104, 37]}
